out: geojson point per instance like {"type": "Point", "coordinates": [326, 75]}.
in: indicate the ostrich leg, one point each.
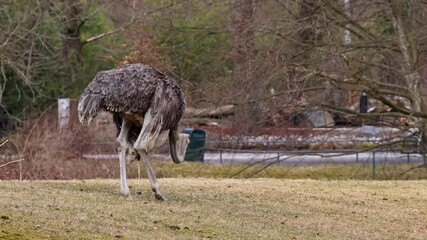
{"type": "Point", "coordinates": [145, 142]}
{"type": "Point", "coordinates": [124, 145]}
{"type": "Point", "coordinates": [155, 186]}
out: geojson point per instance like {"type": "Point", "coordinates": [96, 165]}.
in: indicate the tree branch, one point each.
{"type": "Point", "coordinates": [102, 35]}
{"type": "Point", "coordinates": [15, 161]}
{"type": "Point", "coordinates": [5, 141]}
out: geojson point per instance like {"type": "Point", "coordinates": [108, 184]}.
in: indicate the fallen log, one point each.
{"type": "Point", "coordinates": [209, 112]}
{"type": "Point", "coordinates": [200, 121]}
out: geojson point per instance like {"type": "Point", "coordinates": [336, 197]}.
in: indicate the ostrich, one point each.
{"type": "Point", "coordinates": [149, 106]}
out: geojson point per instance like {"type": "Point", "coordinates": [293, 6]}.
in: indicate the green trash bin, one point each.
{"type": "Point", "coordinates": [196, 147]}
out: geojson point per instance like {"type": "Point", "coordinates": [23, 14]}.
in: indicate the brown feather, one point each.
{"type": "Point", "coordinates": [132, 89]}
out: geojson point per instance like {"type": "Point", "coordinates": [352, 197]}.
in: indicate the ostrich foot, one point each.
{"type": "Point", "coordinates": [159, 197]}
{"type": "Point", "coordinates": [126, 195]}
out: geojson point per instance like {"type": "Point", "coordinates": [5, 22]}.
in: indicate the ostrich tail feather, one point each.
{"type": "Point", "coordinates": [89, 107]}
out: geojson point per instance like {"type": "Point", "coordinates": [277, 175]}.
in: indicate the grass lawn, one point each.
{"type": "Point", "coordinates": [202, 208]}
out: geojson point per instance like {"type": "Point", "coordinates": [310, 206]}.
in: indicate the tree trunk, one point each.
{"type": "Point", "coordinates": [243, 55]}
{"type": "Point", "coordinates": [72, 44]}
{"type": "Point", "coordinates": [409, 62]}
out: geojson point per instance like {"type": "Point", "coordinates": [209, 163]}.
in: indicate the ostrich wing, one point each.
{"type": "Point", "coordinates": [126, 90]}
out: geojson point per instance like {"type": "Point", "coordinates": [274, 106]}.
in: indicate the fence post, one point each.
{"type": "Point", "coordinates": [63, 112]}
{"type": "Point", "coordinates": [220, 156]}
{"type": "Point", "coordinates": [373, 165]}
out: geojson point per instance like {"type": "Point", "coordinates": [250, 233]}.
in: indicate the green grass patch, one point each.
{"type": "Point", "coordinates": [51, 168]}
{"type": "Point", "coordinates": [318, 172]}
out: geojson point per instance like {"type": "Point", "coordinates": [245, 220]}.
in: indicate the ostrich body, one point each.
{"type": "Point", "coordinates": [149, 106]}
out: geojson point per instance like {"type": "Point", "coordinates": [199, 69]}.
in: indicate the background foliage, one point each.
{"type": "Point", "coordinates": [269, 58]}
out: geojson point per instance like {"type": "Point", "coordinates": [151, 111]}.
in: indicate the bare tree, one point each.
{"type": "Point", "coordinates": [25, 50]}
{"type": "Point", "coordinates": [385, 57]}
{"type": "Point", "coordinates": [245, 87]}
{"type": "Point", "coordinates": [72, 21]}
{"type": "Point", "coordinates": [329, 52]}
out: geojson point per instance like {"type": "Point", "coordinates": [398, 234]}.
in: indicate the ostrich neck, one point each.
{"type": "Point", "coordinates": [177, 150]}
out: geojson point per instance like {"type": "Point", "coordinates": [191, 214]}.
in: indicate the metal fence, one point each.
{"type": "Point", "coordinates": [220, 152]}
{"type": "Point", "coordinates": [311, 157]}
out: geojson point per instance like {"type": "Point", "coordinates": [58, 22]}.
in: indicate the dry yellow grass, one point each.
{"type": "Point", "coordinates": [214, 209]}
